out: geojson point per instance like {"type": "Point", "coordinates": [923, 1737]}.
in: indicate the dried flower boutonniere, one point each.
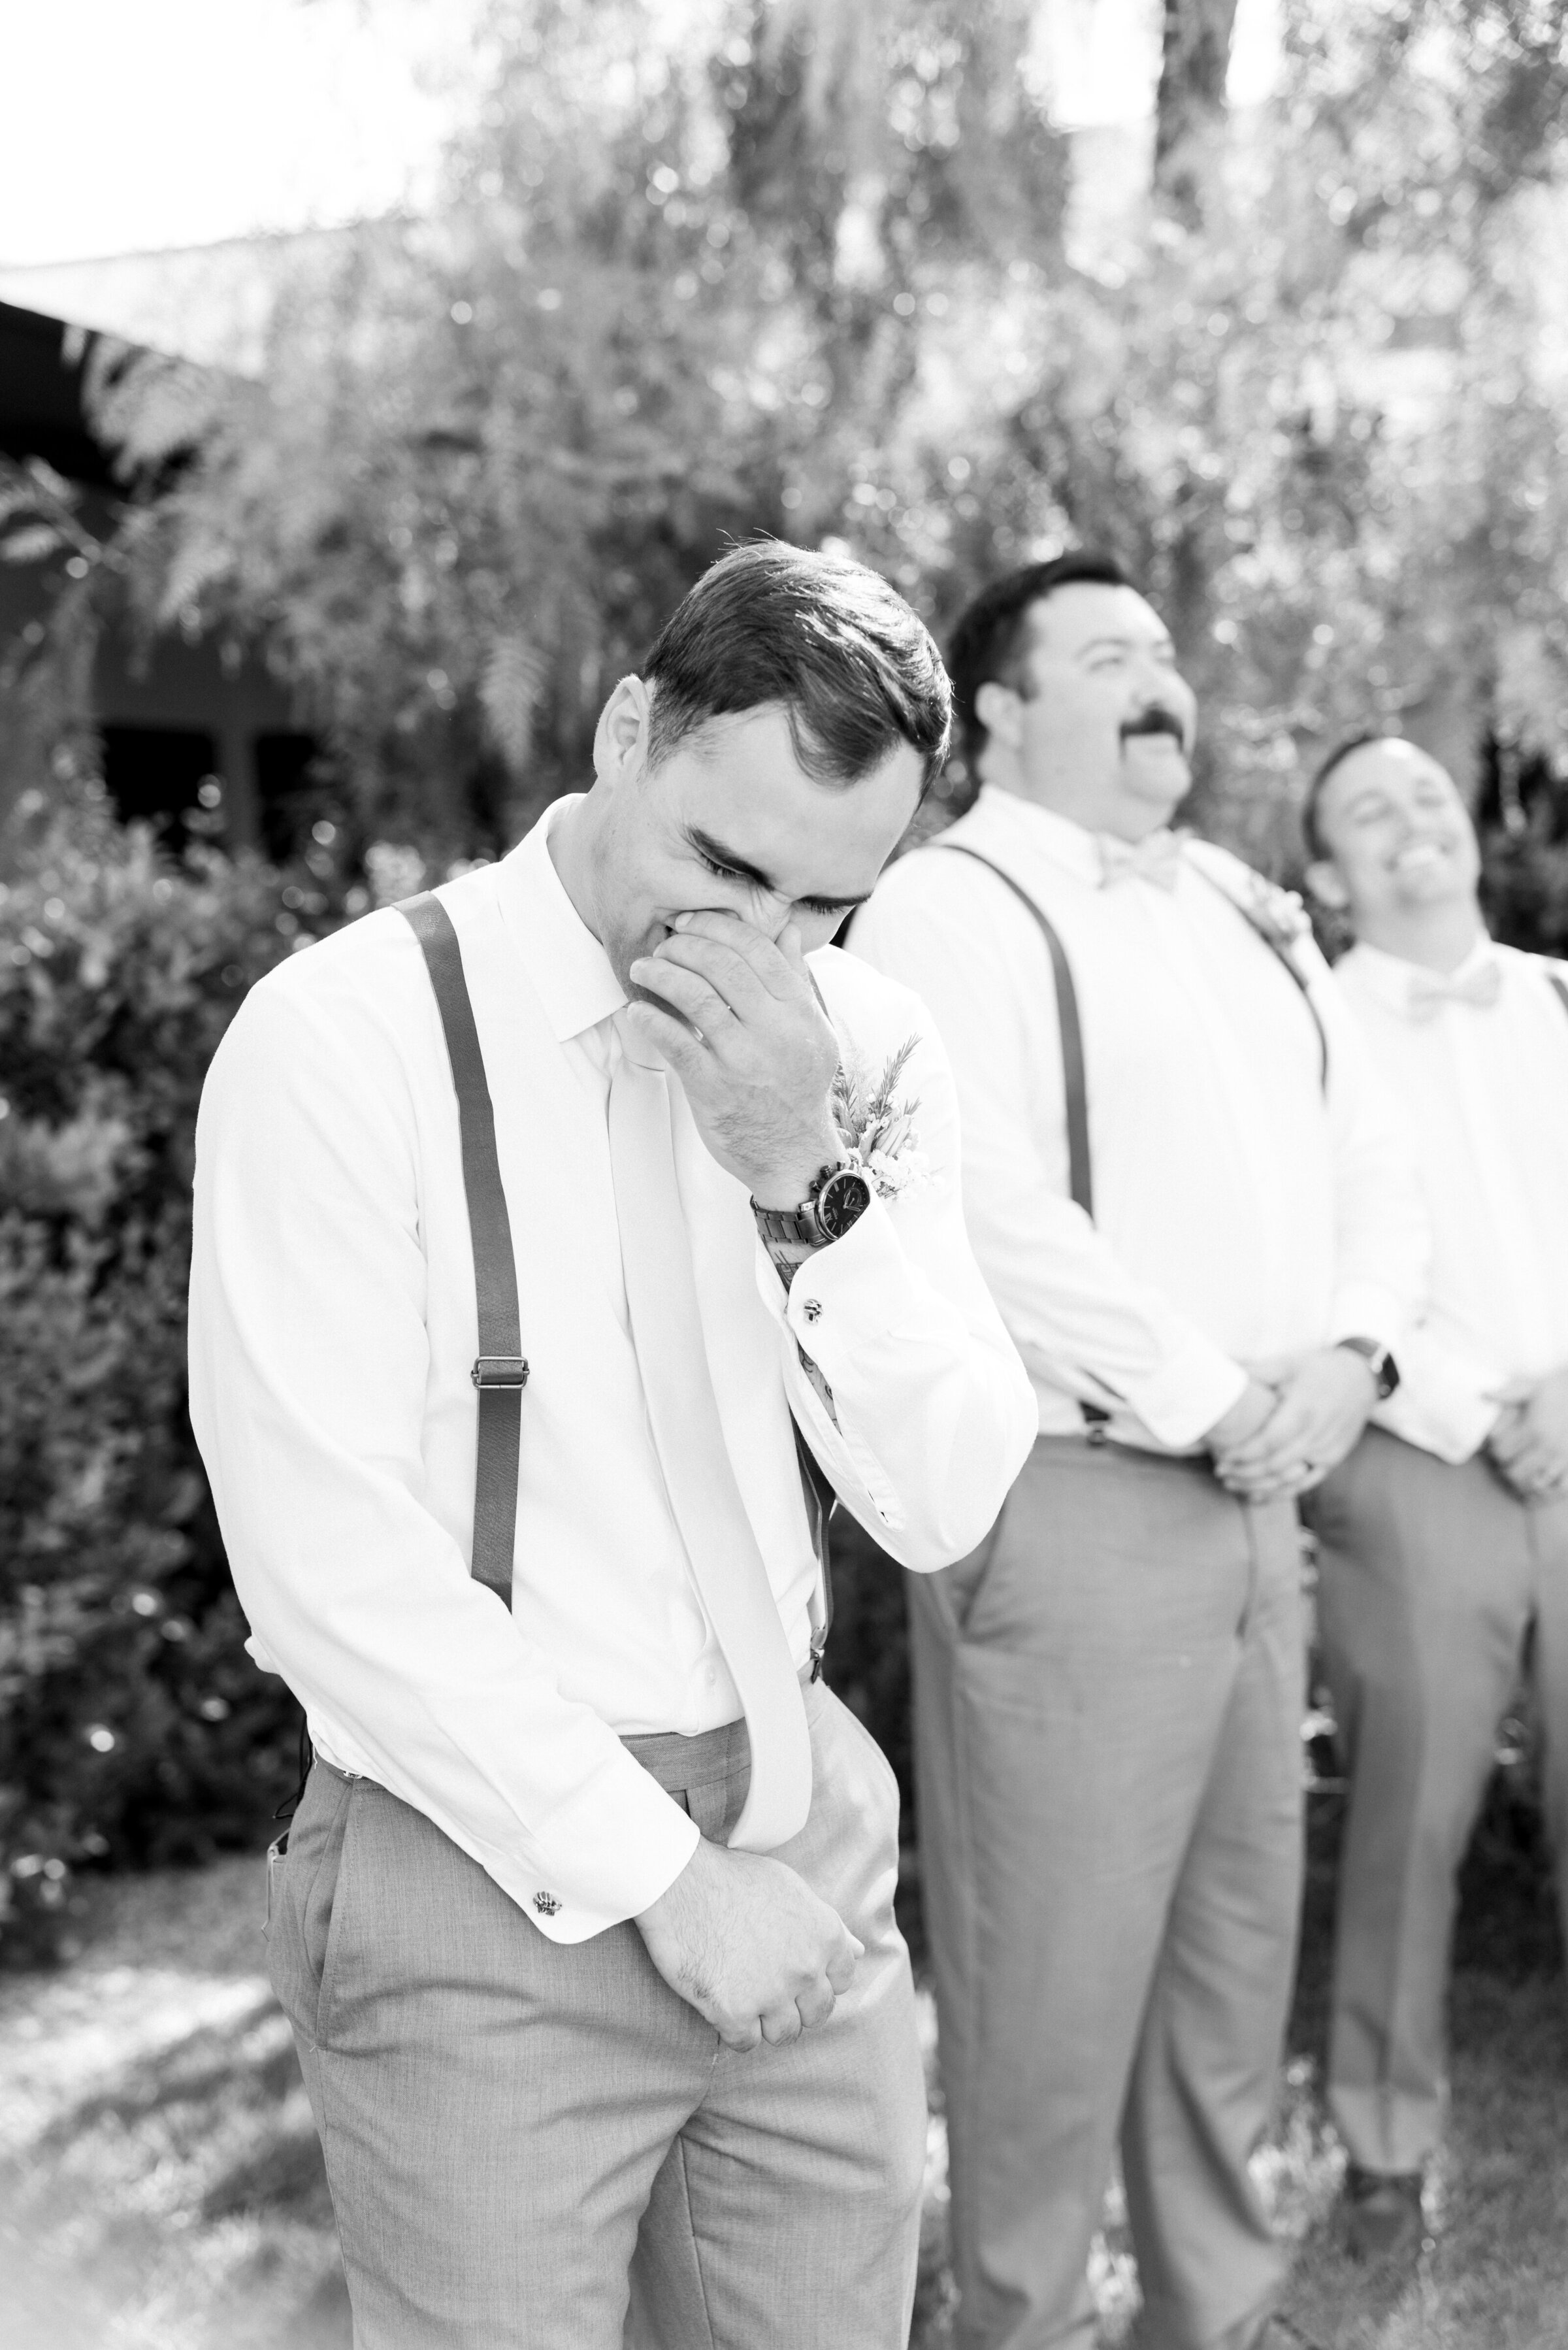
{"type": "Point", "coordinates": [877, 1130]}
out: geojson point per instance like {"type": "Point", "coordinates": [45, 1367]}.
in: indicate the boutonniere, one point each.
{"type": "Point", "coordinates": [1279, 915]}
{"type": "Point", "coordinates": [877, 1130]}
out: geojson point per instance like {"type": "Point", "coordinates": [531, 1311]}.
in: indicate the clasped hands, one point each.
{"type": "Point", "coordinates": [1296, 1419]}
{"type": "Point", "coordinates": [738, 1022]}
{"type": "Point", "coordinates": [1529, 1441]}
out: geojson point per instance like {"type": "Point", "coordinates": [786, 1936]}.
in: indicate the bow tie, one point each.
{"type": "Point", "coordinates": [1157, 858]}
{"type": "Point", "coordinates": [1427, 993]}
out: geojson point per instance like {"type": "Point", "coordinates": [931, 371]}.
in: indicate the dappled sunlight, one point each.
{"type": "Point", "coordinates": [161, 2187]}
{"type": "Point", "coordinates": [161, 2182]}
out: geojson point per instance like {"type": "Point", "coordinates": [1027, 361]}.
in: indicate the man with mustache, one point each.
{"type": "Point", "coordinates": [1204, 1241]}
{"type": "Point", "coordinates": [1445, 1535]}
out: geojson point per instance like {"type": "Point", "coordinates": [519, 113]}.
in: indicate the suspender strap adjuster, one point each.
{"type": "Point", "coordinates": [500, 1371]}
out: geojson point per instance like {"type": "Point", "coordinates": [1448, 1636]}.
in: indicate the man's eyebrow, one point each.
{"type": "Point", "coordinates": [1124, 644]}
{"type": "Point", "coordinates": [717, 853]}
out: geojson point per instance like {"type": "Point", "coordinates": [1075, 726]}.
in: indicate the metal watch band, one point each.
{"type": "Point", "coordinates": [1379, 1361]}
{"type": "Point", "coordinates": [800, 1227]}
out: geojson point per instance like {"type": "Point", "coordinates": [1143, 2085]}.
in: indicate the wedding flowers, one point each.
{"type": "Point", "coordinates": [879, 1131]}
{"type": "Point", "coordinates": [1277, 915]}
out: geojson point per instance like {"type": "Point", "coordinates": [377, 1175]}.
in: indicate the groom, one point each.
{"type": "Point", "coordinates": [585, 1924]}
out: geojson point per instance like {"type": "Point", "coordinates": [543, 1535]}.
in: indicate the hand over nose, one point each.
{"type": "Point", "coordinates": [739, 1022]}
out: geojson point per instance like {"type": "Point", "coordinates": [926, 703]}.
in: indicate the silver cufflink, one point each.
{"type": "Point", "coordinates": [812, 1309]}
{"type": "Point", "coordinates": [545, 1904]}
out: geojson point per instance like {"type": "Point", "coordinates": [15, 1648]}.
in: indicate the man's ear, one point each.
{"type": "Point", "coordinates": [1000, 713]}
{"type": "Point", "coordinates": [1326, 883]}
{"type": "Point", "coordinates": [620, 738]}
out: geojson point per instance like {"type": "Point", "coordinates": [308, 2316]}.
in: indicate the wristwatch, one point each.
{"type": "Point", "coordinates": [1384, 1371]}
{"type": "Point", "coordinates": [839, 1198]}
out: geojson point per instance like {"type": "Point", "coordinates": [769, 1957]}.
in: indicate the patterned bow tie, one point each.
{"type": "Point", "coordinates": [1155, 859]}
{"type": "Point", "coordinates": [1428, 992]}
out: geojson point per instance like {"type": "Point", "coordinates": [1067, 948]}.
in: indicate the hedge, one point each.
{"type": "Point", "coordinates": [133, 1729]}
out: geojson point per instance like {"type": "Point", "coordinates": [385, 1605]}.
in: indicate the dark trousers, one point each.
{"type": "Point", "coordinates": [1109, 1699]}
{"type": "Point", "coordinates": [1428, 1575]}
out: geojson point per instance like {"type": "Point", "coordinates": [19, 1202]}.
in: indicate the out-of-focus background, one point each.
{"type": "Point", "coordinates": [374, 376]}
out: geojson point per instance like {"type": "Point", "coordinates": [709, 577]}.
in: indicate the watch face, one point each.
{"type": "Point", "coordinates": [843, 1200]}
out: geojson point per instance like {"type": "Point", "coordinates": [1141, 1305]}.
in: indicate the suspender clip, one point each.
{"type": "Point", "coordinates": [500, 1371]}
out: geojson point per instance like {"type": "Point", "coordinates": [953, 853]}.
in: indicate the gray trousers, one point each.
{"type": "Point", "coordinates": [1427, 1577]}
{"type": "Point", "coordinates": [520, 2134]}
{"type": "Point", "coordinates": [1109, 1699]}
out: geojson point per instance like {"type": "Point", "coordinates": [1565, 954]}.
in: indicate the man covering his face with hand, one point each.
{"type": "Point", "coordinates": [585, 1923]}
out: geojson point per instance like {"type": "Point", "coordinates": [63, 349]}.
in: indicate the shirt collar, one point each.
{"type": "Point", "coordinates": [1005, 822]}
{"type": "Point", "coordinates": [1387, 977]}
{"type": "Point", "coordinates": [570, 970]}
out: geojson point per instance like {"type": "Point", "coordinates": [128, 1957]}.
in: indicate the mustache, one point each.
{"type": "Point", "coordinates": [1155, 720]}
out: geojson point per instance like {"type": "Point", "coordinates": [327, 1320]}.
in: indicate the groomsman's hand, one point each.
{"type": "Point", "coordinates": [752, 1047]}
{"type": "Point", "coordinates": [746, 1942]}
{"type": "Point", "coordinates": [1326, 1398]}
{"type": "Point", "coordinates": [1529, 1442]}
{"type": "Point", "coordinates": [1246, 1416]}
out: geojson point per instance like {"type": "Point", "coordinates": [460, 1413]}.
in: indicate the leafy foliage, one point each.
{"type": "Point", "coordinates": [132, 1726]}
{"type": "Point", "coordinates": [833, 273]}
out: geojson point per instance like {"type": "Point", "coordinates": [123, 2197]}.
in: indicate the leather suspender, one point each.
{"type": "Point", "coordinates": [500, 1373]}
{"type": "Point", "coordinates": [1074, 1079]}
{"type": "Point", "coordinates": [1256, 920]}
{"type": "Point", "coordinates": [1080, 1172]}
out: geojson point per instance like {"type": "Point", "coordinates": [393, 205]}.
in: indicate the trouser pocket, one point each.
{"type": "Point", "coordinates": [303, 1887]}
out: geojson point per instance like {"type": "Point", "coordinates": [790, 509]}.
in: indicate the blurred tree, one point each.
{"type": "Point", "coordinates": [829, 272]}
{"type": "Point", "coordinates": [781, 264]}
{"type": "Point", "coordinates": [132, 1726]}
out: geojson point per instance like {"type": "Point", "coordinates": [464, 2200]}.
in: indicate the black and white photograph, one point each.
{"type": "Point", "coordinates": [784, 1175]}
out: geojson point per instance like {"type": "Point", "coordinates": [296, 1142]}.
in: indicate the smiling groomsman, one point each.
{"type": "Point", "coordinates": [1204, 1241]}
{"type": "Point", "coordinates": [1446, 1535]}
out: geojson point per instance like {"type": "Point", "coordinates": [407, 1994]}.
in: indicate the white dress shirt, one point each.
{"type": "Point", "coordinates": [1485, 1091]}
{"type": "Point", "coordinates": [334, 1325]}
{"type": "Point", "coordinates": [1238, 1215]}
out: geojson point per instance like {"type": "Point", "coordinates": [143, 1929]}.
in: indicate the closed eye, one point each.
{"type": "Point", "coordinates": [725, 872]}
{"type": "Point", "coordinates": [829, 908]}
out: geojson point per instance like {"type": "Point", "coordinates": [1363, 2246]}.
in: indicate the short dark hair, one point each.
{"type": "Point", "coordinates": [855, 668]}
{"type": "Point", "coordinates": [987, 644]}
{"type": "Point", "coordinates": [1312, 806]}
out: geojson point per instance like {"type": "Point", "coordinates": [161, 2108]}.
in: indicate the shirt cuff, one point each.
{"type": "Point", "coordinates": [843, 1291]}
{"type": "Point", "coordinates": [1196, 1384]}
{"type": "Point", "coordinates": [1364, 1309]}
{"type": "Point", "coordinates": [608, 1870]}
